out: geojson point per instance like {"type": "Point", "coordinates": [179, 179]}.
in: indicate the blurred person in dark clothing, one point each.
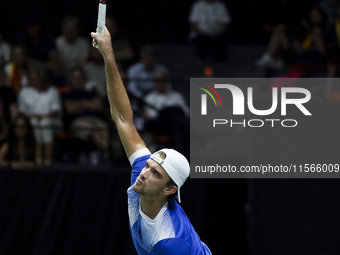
{"type": "Point", "coordinates": [209, 21]}
{"type": "Point", "coordinates": [8, 108]}
{"type": "Point", "coordinates": [7, 97]}
{"type": "Point", "coordinates": [330, 9]}
{"type": "Point", "coordinates": [37, 41]}
{"type": "Point", "coordinates": [19, 148]}
{"type": "Point", "coordinates": [333, 47]}
{"type": "Point", "coordinates": [18, 67]}
{"type": "Point", "coordinates": [301, 46]}
{"type": "Point", "coordinates": [56, 72]}
{"type": "Point", "coordinates": [120, 43]}
{"type": "Point", "coordinates": [41, 103]}
{"type": "Point", "coordinates": [332, 88]}
{"type": "Point", "coordinates": [83, 110]}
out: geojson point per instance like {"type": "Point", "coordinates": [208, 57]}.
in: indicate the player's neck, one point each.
{"type": "Point", "coordinates": [151, 207]}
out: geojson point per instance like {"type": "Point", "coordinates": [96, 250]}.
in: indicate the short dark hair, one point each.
{"type": "Point", "coordinates": [148, 49]}
{"type": "Point", "coordinates": [170, 182]}
{"type": "Point", "coordinates": [70, 18]}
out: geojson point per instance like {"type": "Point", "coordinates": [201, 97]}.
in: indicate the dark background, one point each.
{"type": "Point", "coordinates": [77, 210]}
{"type": "Point", "coordinates": [147, 21]}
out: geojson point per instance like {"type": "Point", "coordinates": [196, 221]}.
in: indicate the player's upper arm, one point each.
{"type": "Point", "coordinates": [129, 136]}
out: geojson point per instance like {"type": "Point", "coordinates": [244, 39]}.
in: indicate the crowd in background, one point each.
{"type": "Point", "coordinates": [53, 101]}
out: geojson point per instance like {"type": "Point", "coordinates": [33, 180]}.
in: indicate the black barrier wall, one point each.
{"type": "Point", "coordinates": [73, 212]}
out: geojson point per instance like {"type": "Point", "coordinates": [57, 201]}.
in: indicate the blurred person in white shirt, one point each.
{"type": "Point", "coordinates": [209, 21]}
{"type": "Point", "coordinates": [41, 103]}
{"type": "Point", "coordinates": [162, 98]}
{"type": "Point", "coordinates": [73, 49]}
{"type": "Point", "coordinates": [167, 114]}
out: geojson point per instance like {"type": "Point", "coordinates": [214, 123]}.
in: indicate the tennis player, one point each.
{"type": "Point", "coordinates": [158, 224]}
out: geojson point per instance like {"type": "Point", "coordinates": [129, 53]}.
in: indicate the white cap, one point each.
{"type": "Point", "coordinates": [176, 166]}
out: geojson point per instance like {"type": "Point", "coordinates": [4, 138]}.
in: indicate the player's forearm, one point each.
{"type": "Point", "coordinates": [119, 102]}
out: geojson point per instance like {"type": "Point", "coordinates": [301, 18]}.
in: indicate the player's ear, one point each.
{"type": "Point", "coordinates": [170, 189]}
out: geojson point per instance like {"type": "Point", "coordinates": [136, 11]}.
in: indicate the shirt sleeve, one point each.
{"type": "Point", "coordinates": [150, 112]}
{"type": "Point", "coordinates": [137, 160]}
{"type": "Point", "coordinates": [171, 246]}
{"type": "Point", "coordinates": [182, 104]}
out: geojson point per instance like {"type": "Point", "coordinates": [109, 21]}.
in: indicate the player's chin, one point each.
{"type": "Point", "coordinates": [136, 188]}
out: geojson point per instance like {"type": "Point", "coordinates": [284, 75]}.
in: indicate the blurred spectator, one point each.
{"type": "Point", "coordinates": [83, 109]}
{"type": "Point", "coordinates": [281, 14]}
{"type": "Point", "coordinates": [333, 47]}
{"type": "Point", "coordinates": [161, 98]}
{"type": "Point", "coordinates": [7, 104]}
{"type": "Point", "coordinates": [19, 147]}
{"type": "Point", "coordinates": [41, 103]}
{"type": "Point", "coordinates": [141, 74]}
{"type": "Point", "coordinates": [3, 125]}
{"type": "Point", "coordinates": [5, 51]}
{"type": "Point", "coordinates": [37, 41]}
{"type": "Point", "coordinates": [7, 96]}
{"type": "Point", "coordinates": [73, 50]}
{"type": "Point", "coordinates": [329, 7]}
{"type": "Point", "coordinates": [17, 68]}
{"type": "Point", "coordinates": [167, 113]}
{"type": "Point", "coordinates": [209, 21]}
{"type": "Point", "coordinates": [303, 44]}
{"type": "Point", "coordinates": [95, 72]}
{"type": "Point", "coordinates": [121, 46]}
{"type": "Point", "coordinates": [55, 69]}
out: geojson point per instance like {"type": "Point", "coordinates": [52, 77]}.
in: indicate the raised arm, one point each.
{"type": "Point", "coordinates": [120, 107]}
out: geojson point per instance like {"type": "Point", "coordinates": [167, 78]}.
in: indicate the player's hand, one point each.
{"type": "Point", "coordinates": [103, 42]}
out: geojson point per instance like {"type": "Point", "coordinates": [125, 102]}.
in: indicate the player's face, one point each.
{"type": "Point", "coordinates": [152, 181]}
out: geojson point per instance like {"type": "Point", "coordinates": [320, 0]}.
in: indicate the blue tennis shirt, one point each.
{"type": "Point", "coordinates": [170, 232]}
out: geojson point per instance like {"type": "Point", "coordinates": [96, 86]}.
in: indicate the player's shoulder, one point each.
{"type": "Point", "coordinates": [140, 155]}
